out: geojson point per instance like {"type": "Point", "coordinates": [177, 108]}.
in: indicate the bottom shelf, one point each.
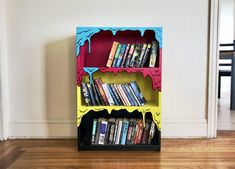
{"type": "Point", "coordinates": [143, 147]}
{"type": "Point", "coordinates": [85, 133]}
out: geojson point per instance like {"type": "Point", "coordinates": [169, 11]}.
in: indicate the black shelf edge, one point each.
{"type": "Point", "coordinates": [138, 147]}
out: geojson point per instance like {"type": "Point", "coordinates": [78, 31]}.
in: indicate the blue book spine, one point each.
{"type": "Point", "coordinates": [113, 96]}
{"type": "Point", "coordinates": [125, 125]}
{"type": "Point", "coordinates": [116, 55]}
{"type": "Point", "coordinates": [131, 95]}
{"type": "Point", "coordinates": [137, 92]}
{"type": "Point", "coordinates": [128, 95]}
{"type": "Point", "coordinates": [120, 56]}
{"type": "Point", "coordinates": [91, 94]}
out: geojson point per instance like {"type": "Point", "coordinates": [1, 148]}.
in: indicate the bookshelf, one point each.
{"type": "Point", "coordinates": [93, 45]}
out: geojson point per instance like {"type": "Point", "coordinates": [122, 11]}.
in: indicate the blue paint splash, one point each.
{"type": "Point", "coordinates": [90, 71]}
{"type": "Point", "coordinates": [85, 34]}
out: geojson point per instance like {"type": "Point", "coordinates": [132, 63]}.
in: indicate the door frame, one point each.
{"type": "Point", "coordinates": [212, 101]}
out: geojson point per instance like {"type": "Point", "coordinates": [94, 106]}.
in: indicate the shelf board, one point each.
{"type": "Point", "coordinates": [137, 147]}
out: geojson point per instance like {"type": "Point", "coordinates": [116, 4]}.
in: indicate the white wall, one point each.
{"type": "Point", "coordinates": [227, 24]}
{"type": "Point", "coordinates": [42, 73]}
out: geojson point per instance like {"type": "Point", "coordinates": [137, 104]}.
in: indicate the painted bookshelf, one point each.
{"type": "Point", "coordinates": [93, 45]}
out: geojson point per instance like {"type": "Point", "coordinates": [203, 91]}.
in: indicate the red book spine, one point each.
{"type": "Point", "coordinates": [98, 83]}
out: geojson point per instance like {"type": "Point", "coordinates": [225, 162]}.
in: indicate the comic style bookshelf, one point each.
{"type": "Point", "coordinates": [93, 46]}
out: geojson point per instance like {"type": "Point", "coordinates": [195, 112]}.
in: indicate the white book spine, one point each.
{"type": "Point", "coordinates": [124, 95]}
{"type": "Point", "coordinates": [103, 127]}
{"type": "Point", "coordinates": [108, 95]}
{"type": "Point", "coordinates": [117, 141]}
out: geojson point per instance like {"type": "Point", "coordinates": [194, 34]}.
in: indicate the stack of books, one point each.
{"type": "Point", "coordinates": [122, 131]}
{"type": "Point", "coordinates": [110, 94]}
{"type": "Point", "coordinates": [133, 55]}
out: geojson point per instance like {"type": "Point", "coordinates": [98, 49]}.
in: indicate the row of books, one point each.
{"type": "Point", "coordinates": [110, 94]}
{"type": "Point", "coordinates": [133, 55]}
{"type": "Point", "coordinates": [122, 131]}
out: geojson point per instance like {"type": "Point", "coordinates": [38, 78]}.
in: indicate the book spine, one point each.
{"type": "Point", "coordinates": [93, 131]}
{"type": "Point", "coordinates": [95, 95]}
{"type": "Point", "coordinates": [136, 132]}
{"type": "Point", "coordinates": [112, 53]}
{"type": "Point", "coordinates": [146, 132]}
{"type": "Point", "coordinates": [120, 56]}
{"type": "Point", "coordinates": [133, 132]}
{"type": "Point", "coordinates": [86, 94]}
{"type": "Point", "coordinates": [99, 82]}
{"type": "Point", "coordinates": [146, 54]}
{"type": "Point", "coordinates": [119, 131]}
{"type": "Point", "coordinates": [108, 95]}
{"type": "Point", "coordinates": [113, 95]}
{"type": "Point", "coordinates": [116, 54]}
{"type": "Point", "coordinates": [133, 94]}
{"type": "Point", "coordinates": [129, 56]}
{"type": "Point", "coordinates": [125, 125]}
{"type": "Point", "coordinates": [99, 94]}
{"type": "Point", "coordinates": [115, 131]}
{"type": "Point", "coordinates": [106, 140]}
{"type": "Point", "coordinates": [151, 132]}
{"type": "Point", "coordinates": [127, 95]}
{"type": "Point", "coordinates": [135, 56]}
{"type": "Point", "coordinates": [102, 129]}
{"type": "Point", "coordinates": [97, 133]}
{"type": "Point", "coordinates": [116, 94]}
{"type": "Point", "coordinates": [120, 95]}
{"type": "Point", "coordinates": [111, 134]}
{"type": "Point", "coordinates": [91, 94]}
{"type": "Point", "coordinates": [125, 55]}
{"type": "Point", "coordinates": [140, 134]}
{"type": "Point", "coordinates": [128, 138]}
{"type": "Point", "coordinates": [138, 62]}
{"type": "Point", "coordinates": [153, 55]}
{"type": "Point", "coordinates": [138, 93]}
{"type": "Point", "coordinates": [123, 95]}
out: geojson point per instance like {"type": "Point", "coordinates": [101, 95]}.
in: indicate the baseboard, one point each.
{"type": "Point", "coordinates": [187, 128]}
{"type": "Point", "coordinates": [184, 128]}
{"type": "Point", "coordinates": [43, 129]}
{"type": "Point", "coordinates": [226, 125]}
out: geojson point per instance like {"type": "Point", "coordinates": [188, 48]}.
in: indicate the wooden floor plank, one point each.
{"type": "Point", "coordinates": [200, 153]}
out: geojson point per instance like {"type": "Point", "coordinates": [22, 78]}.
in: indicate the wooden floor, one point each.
{"type": "Point", "coordinates": [216, 153]}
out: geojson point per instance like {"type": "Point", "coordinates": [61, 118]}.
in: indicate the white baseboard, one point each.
{"type": "Point", "coordinates": [43, 129]}
{"type": "Point", "coordinates": [186, 128]}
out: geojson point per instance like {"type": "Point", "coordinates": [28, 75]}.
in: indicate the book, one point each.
{"type": "Point", "coordinates": [127, 95]}
{"type": "Point", "coordinates": [108, 95]}
{"type": "Point", "coordinates": [135, 55]}
{"type": "Point", "coordinates": [119, 131]}
{"type": "Point", "coordinates": [120, 56]}
{"type": "Point", "coordinates": [91, 94]}
{"type": "Point", "coordinates": [123, 95]}
{"type": "Point", "coordinates": [125, 125]}
{"type": "Point", "coordinates": [139, 131]}
{"type": "Point", "coordinates": [97, 133]}
{"type": "Point", "coordinates": [153, 55]}
{"type": "Point", "coordinates": [137, 92]}
{"type": "Point", "coordinates": [146, 54]}
{"type": "Point", "coordinates": [116, 55]}
{"type": "Point", "coordinates": [125, 55]}
{"type": "Point", "coordinates": [120, 94]}
{"type": "Point", "coordinates": [99, 94]}
{"type": "Point", "coordinates": [116, 94]}
{"type": "Point", "coordinates": [134, 96]}
{"type": "Point", "coordinates": [102, 130]}
{"type": "Point", "coordinates": [112, 130]}
{"type": "Point", "coordinates": [86, 94]}
{"type": "Point", "coordinates": [129, 56]}
{"type": "Point", "coordinates": [115, 131]}
{"type": "Point", "coordinates": [113, 95]}
{"type": "Point", "coordinates": [112, 53]}
{"type": "Point", "coordinates": [99, 83]}
{"type": "Point", "coordinates": [151, 132]}
{"type": "Point", "coordinates": [146, 132]}
{"type": "Point", "coordinates": [96, 96]}
{"type": "Point", "coordinates": [139, 60]}
{"type": "Point", "coordinates": [107, 133]}
{"type": "Point", "coordinates": [93, 131]}
{"type": "Point", "coordinates": [130, 128]}
{"type": "Point", "coordinates": [134, 131]}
